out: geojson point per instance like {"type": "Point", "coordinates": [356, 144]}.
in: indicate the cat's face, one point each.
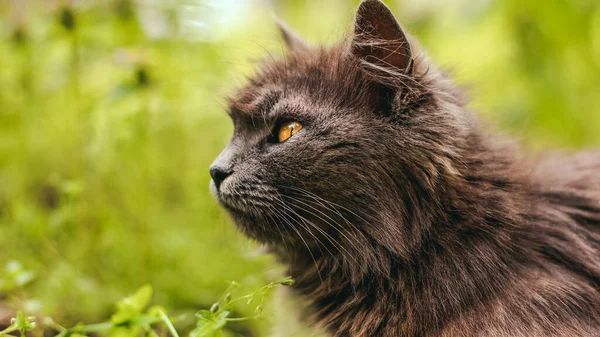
{"type": "Point", "coordinates": [324, 139]}
{"type": "Point", "coordinates": [299, 149]}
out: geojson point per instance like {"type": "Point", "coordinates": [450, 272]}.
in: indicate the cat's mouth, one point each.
{"type": "Point", "coordinates": [243, 199]}
{"type": "Point", "coordinates": [248, 218]}
{"type": "Point", "coordinates": [267, 220]}
{"type": "Point", "coordinates": [235, 206]}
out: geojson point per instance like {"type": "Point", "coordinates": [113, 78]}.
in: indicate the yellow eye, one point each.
{"type": "Point", "coordinates": [287, 130]}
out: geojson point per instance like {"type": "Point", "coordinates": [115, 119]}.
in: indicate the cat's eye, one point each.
{"type": "Point", "coordinates": [287, 130]}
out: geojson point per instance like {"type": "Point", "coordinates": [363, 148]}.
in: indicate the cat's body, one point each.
{"type": "Point", "coordinates": [398, 214]}
{"type": "Point", "coordinates": [539, 277]}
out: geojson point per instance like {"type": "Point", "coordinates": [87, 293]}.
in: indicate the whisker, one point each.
{"type": "Point", "coordinates": [282, 217]}
{"type": "Point", "coordinates": [307, 223]}
{"type": "Point", "coordinates": [271, 209]}
{"type": "Point", "coordinates": [301, 190]}
{"type": "Point", "coordinates": [320, 201]}
{"type": "Point", "coordinates": [333, 224]}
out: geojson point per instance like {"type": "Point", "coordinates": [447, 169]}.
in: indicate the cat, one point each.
{"type": "Point", "coordinates": [397, 212]}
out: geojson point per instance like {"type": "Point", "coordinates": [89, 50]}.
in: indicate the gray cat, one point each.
{"type": "Point", "coordinates": [397, 213]}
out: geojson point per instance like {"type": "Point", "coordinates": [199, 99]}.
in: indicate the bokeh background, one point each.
{"type": "Point", "coordinates": [111, 112]}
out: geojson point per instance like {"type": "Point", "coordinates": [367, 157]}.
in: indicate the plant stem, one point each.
{"type": "Point", "coordinates": [241, 319]}
{"type": "Point", "coordinates": [168, 323]}
{"type": "Point", "coordinates": [8, 330]}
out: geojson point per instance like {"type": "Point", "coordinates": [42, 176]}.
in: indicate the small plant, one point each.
{"type": "Point", "coordinates": [134, 318]}
{"type": "Point", "coordinates": [20, 323]}
{"type": "Point", "coordinates": [213, 320]}
{"type": "Point", "coordinates": [130, 319]}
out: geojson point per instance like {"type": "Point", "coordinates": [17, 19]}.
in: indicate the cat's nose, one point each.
{"type": "Point", "coordinates": [219, 174]}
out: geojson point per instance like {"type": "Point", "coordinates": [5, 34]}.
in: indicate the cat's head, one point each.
{"type": "Point", "coordinates": [340, 144]}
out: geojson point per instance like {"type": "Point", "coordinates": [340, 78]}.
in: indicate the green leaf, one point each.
{"type": "Point", "coordinates": [205, 314]}
{"type": "Point", "coordinates": [131, 307]}
{"type": "Point", "coordinates": [207, 328]}
{"type": "Point", "coordinates": [142, 297]}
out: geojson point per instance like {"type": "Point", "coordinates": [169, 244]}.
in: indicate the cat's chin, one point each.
{"type": "Point", "coordinates": [251, 225]}
{"type": "Point", "coordinates": [259, 229]}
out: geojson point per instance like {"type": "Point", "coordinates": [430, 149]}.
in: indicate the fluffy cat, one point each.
{"type": "Point", "coordinates": [362, 169]}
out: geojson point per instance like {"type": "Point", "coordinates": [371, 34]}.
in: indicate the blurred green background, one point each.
{"type": "Point", "coordinates": [111, 112]}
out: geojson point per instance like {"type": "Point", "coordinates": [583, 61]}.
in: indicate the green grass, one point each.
{"type": "Point", "coordinates": [106, 134]}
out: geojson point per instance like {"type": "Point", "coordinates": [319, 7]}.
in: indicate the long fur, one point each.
{"type": "Point", "coordinates": [400, 215]}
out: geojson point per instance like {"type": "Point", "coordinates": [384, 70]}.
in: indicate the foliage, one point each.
{"type": "Point", "coordinates": [133, 318]}
{"type": "Point", "coordinates": [20, 323]}
{"type": "Point", "coordinates": [210, 321]}
{"type": "Point", "coordinates": [111, 112]}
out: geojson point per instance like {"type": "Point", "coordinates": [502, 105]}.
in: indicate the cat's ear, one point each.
{"type": "Point", "coordinates": [291, 38]}
{"type": "Point", "coordinates": [379, 41]}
